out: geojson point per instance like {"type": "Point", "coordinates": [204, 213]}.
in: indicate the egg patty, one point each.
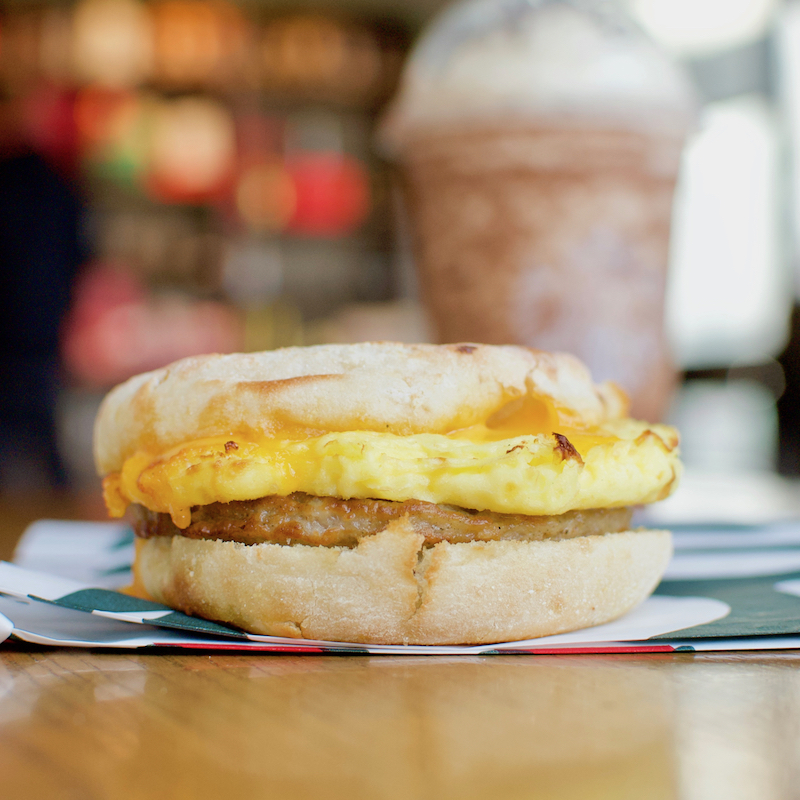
{"type": "Point", "coordinates": [619, 463]}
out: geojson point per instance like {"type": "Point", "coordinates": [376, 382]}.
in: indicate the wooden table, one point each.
{"type": "Point", "coordinates": [83, 725]}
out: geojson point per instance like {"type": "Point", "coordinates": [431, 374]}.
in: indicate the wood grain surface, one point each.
{"type": "Point", "coordinates": [81, 725]}
{"type": "Point", "coordinates": [76, 724]}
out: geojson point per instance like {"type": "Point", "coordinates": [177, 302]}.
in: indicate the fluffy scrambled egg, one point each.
{"type": "Point", "coordinates": [517, 462]}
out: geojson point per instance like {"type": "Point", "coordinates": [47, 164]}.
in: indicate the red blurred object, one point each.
{"type": "Point", "coordinates": [49, 122]}
{"type": "Point", "coordinates": [116, 330]}
{"type": "Point", "coordinates": [97, 113]}
{"type": "Point", "coordinates": [331, 194]}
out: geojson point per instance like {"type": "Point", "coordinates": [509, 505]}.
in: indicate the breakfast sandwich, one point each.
{"type": "Point", "coordinates": [387, 493]}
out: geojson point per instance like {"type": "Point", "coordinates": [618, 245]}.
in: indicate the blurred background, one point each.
{"type": "Point", "coordinates": [189, 176]}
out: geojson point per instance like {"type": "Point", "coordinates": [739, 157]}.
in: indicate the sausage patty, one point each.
{"type": "Point", "coordinates": [330, 521]}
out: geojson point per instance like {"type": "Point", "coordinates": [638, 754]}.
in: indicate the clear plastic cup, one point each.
{"type": "Point", "coordinates": [538, 145]}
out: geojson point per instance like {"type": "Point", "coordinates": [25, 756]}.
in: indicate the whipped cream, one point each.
{"type": "Point", "coordinates": [564, 61]}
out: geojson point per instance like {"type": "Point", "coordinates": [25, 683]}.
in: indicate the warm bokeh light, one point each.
{"type": "Point", "coordinates": [100, 114]}
{"type": "Point", "coordinates": [314, 53]}
{"type": "Point", "coordinates": [198, 42]}
{"type": "Point", "coordinates": [192, 150]}
{"type": "Point", "coordinates": [266, 196]}
{"type": "Point", "coordinates": [112, 42]}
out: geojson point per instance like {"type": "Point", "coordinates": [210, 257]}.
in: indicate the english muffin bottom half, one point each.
{"type": "Point", "coordinates": [387, 493]}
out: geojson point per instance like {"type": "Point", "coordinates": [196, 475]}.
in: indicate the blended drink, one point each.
{"type": "Point", "coordinates": [538, 162]}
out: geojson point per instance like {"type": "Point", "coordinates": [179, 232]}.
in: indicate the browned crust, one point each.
{"type": "Point", "coordinates": [566, 449]}
{"type": "Point", "coordinates": [331, 521]}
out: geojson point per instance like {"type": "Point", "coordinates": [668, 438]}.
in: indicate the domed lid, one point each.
{"type": "Point", "coordinates": [573, 62]}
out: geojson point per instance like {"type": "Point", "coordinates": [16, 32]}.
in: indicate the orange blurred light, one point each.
{"type": "Point", "coordinates": [101, 114]}
{"type": "Point", "coordinates": [266, 197]}
{"type": "Point", "coordinates": [198, 42]}
{"type": "Point", "coordinates": [303, 50]}
{"type": "Point", "coordinates": [320, 56]}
